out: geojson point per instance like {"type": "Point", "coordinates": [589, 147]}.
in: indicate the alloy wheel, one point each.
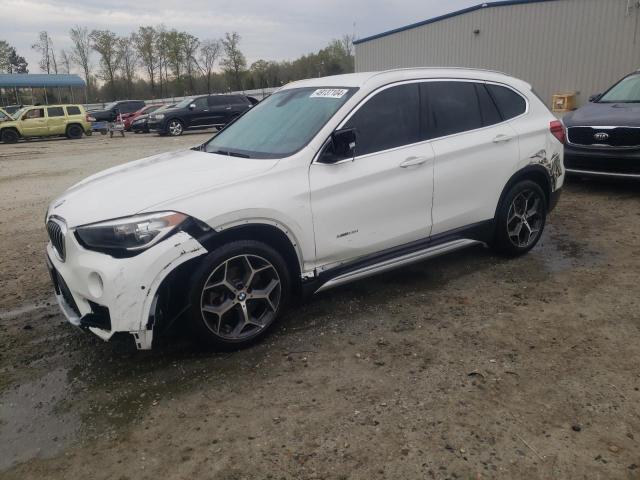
{"type": "Point", "coordinates": [525, 218]}
{"type": "Point", "coordinates": [175, 128]}
{"type": "Point", "coordinates": [241, 297]}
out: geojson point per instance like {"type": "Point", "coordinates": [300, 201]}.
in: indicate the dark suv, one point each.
{"type": "Point", "coordinates": [199, 112]}
{"type": "Point", "coordinates": [112, 109]}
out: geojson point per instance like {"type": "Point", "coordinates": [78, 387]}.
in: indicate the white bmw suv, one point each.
{"type": "Point", "coordinates": [327, 181]}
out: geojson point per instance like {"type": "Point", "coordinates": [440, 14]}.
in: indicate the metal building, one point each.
{"type": "Point", "coordinates": [558, 46]}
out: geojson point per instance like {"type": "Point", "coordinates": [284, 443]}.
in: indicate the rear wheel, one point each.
{"type": "Point", "coordinates": [74, 132]}
{"type": "Point", "coordinates": [175, 128]}
{"type": "Point", "coordinates": [521, 218]}
{"type": "Point", "coordinates": [238, 293]}
{"type": "Point", "coordinates": [9, 136]}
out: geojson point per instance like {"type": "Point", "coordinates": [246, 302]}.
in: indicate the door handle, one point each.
{"type": "Point", "coordinates": [414, 162]}
{"type": "Point", "coordinates": [228, 108]}
{"type": "Point", "coordinates": [502, 138]}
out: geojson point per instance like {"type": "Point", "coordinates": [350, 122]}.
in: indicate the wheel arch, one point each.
{"type": "Point", "coordinates": [15, 129]}
{"type": "Point", "coordinates": [273, 234]}
{"type": "Point", "coordinates": [74, 124]}
{"type": "Point", "coordinates": [536, 173]}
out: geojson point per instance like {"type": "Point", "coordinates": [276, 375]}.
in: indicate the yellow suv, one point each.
{"type": "Point", "coordinates": [70, 121]}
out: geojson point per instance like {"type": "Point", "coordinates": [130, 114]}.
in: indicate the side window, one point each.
{"type": "Point", "coordinates": [34, 113]}
{"type": "Point", "coordinates": [73, 110]}
{"type": "Point", "coordinates": [388, 120]}
{"type": "Point", "coordinates": [201, 103]}
{"type": "Point", "coordinates": [488, 109]}
{"type": "Point", "coordinates": [509, 102]}
{"type": "Point", "coordinates": [218, 100]}
{"type": "Point", "coordinates": [453, 107]}
{"type": "Point", "coordinates": [55, 112]}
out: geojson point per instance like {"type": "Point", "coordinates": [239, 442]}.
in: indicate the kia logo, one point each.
{"type": "Point", "coordinates": [601, 137]}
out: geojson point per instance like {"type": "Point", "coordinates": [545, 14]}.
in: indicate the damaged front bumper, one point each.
{"type": "Point", "coordinates": [108, 295]}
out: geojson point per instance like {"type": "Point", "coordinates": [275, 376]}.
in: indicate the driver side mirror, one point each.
{"type": "Point", "coordinates": [192, 106]}
{"type": "Point", "coordinates": [341, 146]}
{"type": "Point", "coordinates": [595, 98]}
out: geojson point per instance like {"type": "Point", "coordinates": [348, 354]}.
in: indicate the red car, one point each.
{"type": "Point", "coordinates": [129, 118]}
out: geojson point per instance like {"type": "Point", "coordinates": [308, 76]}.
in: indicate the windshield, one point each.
{"type": "Point", "coordinates": [184, 103]}
{"type": "Point", "coordinates": [625, 91]}
{"type": "Point", "coordinates": [110, 106]}
{"type": "Point", "coordinates": [281, 124]}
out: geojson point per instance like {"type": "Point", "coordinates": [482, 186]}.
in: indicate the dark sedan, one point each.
{"type": "Point", "coordinates": [603, 137]}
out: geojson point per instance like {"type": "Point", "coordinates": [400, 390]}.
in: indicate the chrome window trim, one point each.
{"type": "Point", "coordinates": [420, 80]}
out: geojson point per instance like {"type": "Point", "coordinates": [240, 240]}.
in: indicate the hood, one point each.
{"type": "Point", "coordinates": [137, 186]}
{"type": "Point", "coordinates": [605, 114]}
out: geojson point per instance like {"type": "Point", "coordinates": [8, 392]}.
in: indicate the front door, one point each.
{"type": "Point", "coordinates": [34, 123]}
{"type": "Point", "coordinates": [382, 197]}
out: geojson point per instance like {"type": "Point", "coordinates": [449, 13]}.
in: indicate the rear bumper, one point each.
{"type": "Point", "coordinates": [601, 162]}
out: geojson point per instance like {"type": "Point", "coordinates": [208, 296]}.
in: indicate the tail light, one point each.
{"type": "Point", "coordinates": [90, 118]}
{"type": "Point", "coordinates": [557, 130]}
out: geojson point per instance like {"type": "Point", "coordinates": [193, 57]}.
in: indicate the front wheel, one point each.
{"type": "Point", "coordinates": [521, 218]}
{"type": "Point", "coordinates": [175, 128]}
{"type": "Point", "coordinates": [238, 293]}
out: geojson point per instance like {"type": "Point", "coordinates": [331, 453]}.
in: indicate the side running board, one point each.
{"type": "Point", "coordinates": [397, 262]}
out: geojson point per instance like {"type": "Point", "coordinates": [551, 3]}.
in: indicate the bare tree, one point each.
{"type": "Point", "coordinates": [161, 50]}
{"type": "Point", "coordinates": [81, 51]}
{"type": "Point", "coordinates": [129, 60]}
{"type": "Point", "coordinates": [233, 62]}
{"type": "Point", "coordinates": [65, 61]}
{"type": "Point", "coordinates": [175, 56]}
{"type": "Point", "coordinates": [145, 41]}
{"type": "Point", "coordinates": [105, 42]}
{"type": "Point", "coordinates": [209, 53]}
{"type": "Point", "coordinates": [44, 46]}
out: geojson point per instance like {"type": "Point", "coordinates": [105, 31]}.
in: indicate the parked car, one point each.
{"type": "Point", "coordinates": [111, 110]}
{"type": "Point", "coordinates": [46, 121]}
{"type": "Point", "coordinates": [327, 181]}
{"type": "Point", "coordinates": [199, 112]}
{"type": "Point", "coordinates": [146, 110]}
{"type": "Point", "coordinates": [603, 137]}
{"type": "Point", "coordinates": [4, 116]}
{"type": "Point", "coordinates": [141, 123]}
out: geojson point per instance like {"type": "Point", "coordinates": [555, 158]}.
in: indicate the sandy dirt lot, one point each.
{"type": "Point", "coordinates": [471, 366]}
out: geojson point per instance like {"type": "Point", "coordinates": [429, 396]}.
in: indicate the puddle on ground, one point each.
{"type": "Point", "coordinates": [31, 425]}
{"type": "Point", "coordinates": [559, 252]}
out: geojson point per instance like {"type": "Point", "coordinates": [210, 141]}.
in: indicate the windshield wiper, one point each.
{"type": "Point", "coordinates": [232, 154]}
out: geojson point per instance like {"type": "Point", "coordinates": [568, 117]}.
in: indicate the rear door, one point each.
{"type": "Point", "coordinates": [221, 109]}
{"type": "Point", "coordinates": [56, 120]}
{"type": "Point", "coordinates": [381, 198]}
{"type": "Point", "coordinates": [475, 150]}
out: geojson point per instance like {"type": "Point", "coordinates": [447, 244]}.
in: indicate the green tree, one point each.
{"type": "Point", "coordinates": [233, 62]}
{"type": "Point", "coordinates": [129, 61]}
{"type": "Point", "coordinates": [105, 42]}
{"type": "Point", "coordinates": [145, 41]}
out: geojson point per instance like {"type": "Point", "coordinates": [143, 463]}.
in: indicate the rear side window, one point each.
{"type": "Point", "coordinates": [453, 107]}
{"type": "Point", "coordinates": [73, 110]}
{"type": "Point", "coordinates": [55, 112]}
{"type": "Point", "coordinates": [217, 100]}
{"type": "Point", "coordinates": [509, 102]}
{"type": "Point", "coordinates": [390, 119]}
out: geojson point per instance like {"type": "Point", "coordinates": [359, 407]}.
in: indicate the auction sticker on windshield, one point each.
{"type": "Point", "coordinates": [329, 93]}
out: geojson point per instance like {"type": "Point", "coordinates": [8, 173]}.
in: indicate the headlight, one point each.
{"type": "Point", "coordinates": [159, 116]}
{"type": "Point", "coordinates": [129, 234]}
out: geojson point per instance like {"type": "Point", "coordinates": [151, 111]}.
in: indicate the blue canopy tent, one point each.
{"type": "Point", "coordinates": [18, 81]}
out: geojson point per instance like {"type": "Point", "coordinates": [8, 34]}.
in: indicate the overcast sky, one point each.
{"type": "Point", "coordinates": [272, 30]}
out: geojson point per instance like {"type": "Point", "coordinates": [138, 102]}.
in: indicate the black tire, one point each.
{"type": "Point", "coordinates": [74, 132]}
{"type": "Point", "coordinates": [226, 263]}
{"type": "Point", "coordinates": [521, 219]}
{"type": "Point", "coordinates": [9, 135]}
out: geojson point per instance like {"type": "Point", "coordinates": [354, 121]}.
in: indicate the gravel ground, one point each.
{"type": "Point", "coordinates": [471, 366]}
